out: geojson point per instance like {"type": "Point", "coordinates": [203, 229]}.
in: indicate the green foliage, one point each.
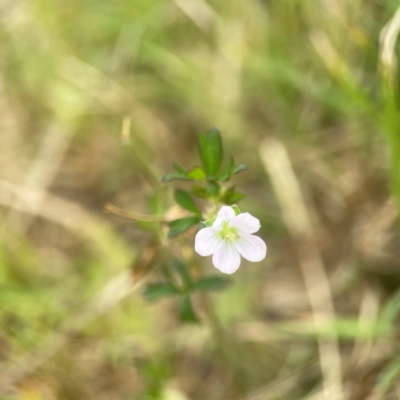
{"type": "Point", "coordinates": [181, 225]}
{"type": "Point", "coordinates": [199, 192]}
{"type": "Point", "coordinates": [230, 196]}
{"type": "Point", "coordinates": [312, 77]}
{"type": "Point", "coordinates": [185, 201]}
{"type": "Point", "coordinates": [180, 170]}
{"type": "Point", "coordinates": [227, 171]}
{"type": "Point", "coordinates": [236, 209]}
{"type": "Point", "coordinates": [211, 152]}
{"type": "Point", "coordinates": [197, 174]}
{"type": "Point", "coordinates": [211, 283]}
{"type": "Point", "coordinates": [210, 222]}
{"type": "Point", "coordinates": [156, 291]}
{"type": "Point", "coordinates": [183, 287]}
{"type": "Point", "coordinates": [183, 272]}
{"type": "Point", "coordinates": [186, 311]}
{"type": "Point", "coordinates": [239, 168]}
{"type": "Point", "coordinates": [177, 177]}
{"type": "Point", "coordinates": [213, 189]}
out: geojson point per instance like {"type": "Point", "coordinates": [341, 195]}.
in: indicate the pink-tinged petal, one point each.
{"type": "Point", "coordinates": [206, 241]}
{"type": "Point", "coordinates": [226, 258]}
{"type": "Point", "coordinates": [225, 214]}
{"type": "Point", "coordinates": [245, 223]}
{"type": "Point", "coordinates": [251, 247]}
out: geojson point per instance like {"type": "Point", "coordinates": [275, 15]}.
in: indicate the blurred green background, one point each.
{"type": "Point", "coordinates": [98, 98]}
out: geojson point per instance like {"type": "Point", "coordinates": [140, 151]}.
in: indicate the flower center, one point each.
{"type": "Point", "coordinates": [228, 233]}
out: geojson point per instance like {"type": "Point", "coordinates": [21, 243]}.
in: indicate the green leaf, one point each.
{"type": "Point", "coordinates": [156, 291]}
{"type": "Point", "coordinates": [212, 188]}
{"type": "Point", "coordinates": [203, 150]}
{"type": "Point", "coordinates": [211, 152]}
{"type": "Point", "coordinates": [181, 225]}
{"type": "Point", "coordinates": [215, 151]}
{"type": "Point", "coordinates": [235, 198]}
{"type": "Point", "coordinates": [211, 283]}
{"type": "Point", "coordinates": [183, 272]}
{"type": "Point", "coordinates": [186, 312]}
{"type": "Point", "coordinates": [227, 171]}
{"type": "Point", "coordinates": [231, 196]}
{"type": "Point", "coordinates": [185, 201]}
{"type": "Point", "coordinates": [199, 192]}
{"type": "Point", "coordinates": [197, 174]}
{"type": "Point", "coordinates": [180, 170]}
{"type": "Point", "coordinates": [239, 168]}
{"type": "Point", "coordinates": [209, 222]}
{"type": "Point", "coordinates": [178, 177]}
{"type": "Point", "coordinates": [236, 209]}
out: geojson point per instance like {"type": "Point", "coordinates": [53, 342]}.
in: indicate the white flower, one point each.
{"type": "Point", "coordinates": [228, 238]}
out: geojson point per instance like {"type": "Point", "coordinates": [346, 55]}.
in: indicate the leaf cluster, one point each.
{"type": "Point", "coordinates": [180, 284]}
{"type": "Point", "coordinates": [206, 180]}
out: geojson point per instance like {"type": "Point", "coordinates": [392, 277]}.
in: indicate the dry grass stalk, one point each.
{"type": "Point", "coordinates": [388, 39]}
{"type": "Point", "coordinates": [71, 216]}
{"type": "Point", "coordinates": [295, 214]}
{"type": "Point", "coordinates": [110, 208]}
{"type": "Point", "coordinates": [42, 171]}
{"type": "Point", "coordinates": [198, 11]}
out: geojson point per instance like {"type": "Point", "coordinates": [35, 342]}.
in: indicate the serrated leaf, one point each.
{"type": "Point", "coordinates": [156, 291]}
{"type": "Point", "coordinates": [239, 168]}
{"type": "Point", "coordinates": [185, 201]}
{"type": "Point", "coordinates": [211, 283]}
{"type": "Point", "coordinates": [197, 174]}
{"type": "Point", "coordinates": [181, 225]}
{"type": "Point", "coordinates": [227, 171]}
{"type": "Point", "coordinates": [186, 312]}
{"type": "Point", "coordinates": [211, 152]}
{"type": "Point", "coordinates": [178, 177]}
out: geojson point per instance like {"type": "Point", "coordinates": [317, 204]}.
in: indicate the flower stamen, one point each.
{"type": "Point", "coordinates": [229, 234]}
